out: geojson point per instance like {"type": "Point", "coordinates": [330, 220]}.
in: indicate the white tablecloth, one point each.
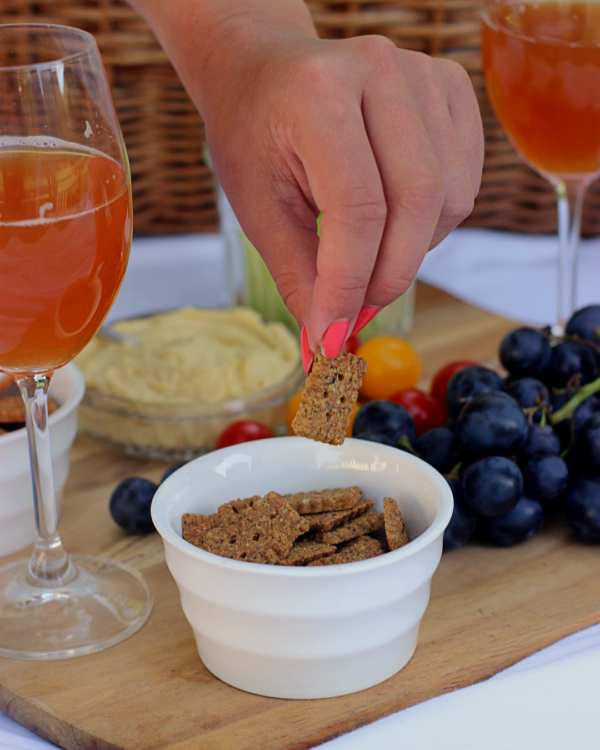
{"type": "Point", "coordinates": [549, 701]}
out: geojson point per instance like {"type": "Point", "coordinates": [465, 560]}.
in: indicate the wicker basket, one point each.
{"type": "Point", "coordinates": [173, 187]}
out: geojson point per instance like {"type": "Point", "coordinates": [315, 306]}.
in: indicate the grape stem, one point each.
{"type": "Point", "coordinates": [455, 470]}
{"type": "Point", "coordinates": [568, 409]}
{"type": "Point", "coordinates": [404, 444]}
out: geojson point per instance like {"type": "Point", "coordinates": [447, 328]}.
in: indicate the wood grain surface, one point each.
{"type": "Point", "coordinates": [489, 608]}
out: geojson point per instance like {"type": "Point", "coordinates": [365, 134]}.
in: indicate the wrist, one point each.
{"type": "Point", "coordinates": [207, 40]}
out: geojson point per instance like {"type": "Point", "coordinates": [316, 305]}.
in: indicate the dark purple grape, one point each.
{"type": "Point", "coordinates": [545, 477]}
{"type": "Point", "coordinates": [470, 382]}
{"type": "Point", "coordinates": [385, 418]}
{"type": "Point", "coordinates": [589, 440]}
{"type": "Point", "coordinates": [568, 359]}
{"type": "Point", "coordinates": [569, 429]}
{"type": "Point", "coordinates": [492, 424]}
{"type": "Point", "coordinates": [463, 521]}
{"type": "Point", "coordinates": [540, 440]}
{"type": "Point", "coordinates": [525, 351]}
{"type": "Point", "coordinates": [437, 447]}
{"type": "Point", "coordinates": [584, 411]}
{"type": "Point", "coordinates": [130, 505]}
{"type": "Point", "coordinates": [515, 526]}
{"type": "Point", "coordinates": [529, 393]}
{"type": "Point", "coordinates": [585, 323]}
{"type": "Point", "coordinates": [582, 509]}
{"type": "Point", "coordinates": [374, 437]}
{"type": "Point", "coordinates": [578, 466]}
{"type": "Point", "coordinates": [492, 485]}
{"type": "Point", "coordinates": [171, 470]}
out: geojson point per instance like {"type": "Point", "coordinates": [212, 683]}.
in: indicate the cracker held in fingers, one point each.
{"type": "Point", "coordinates": [328, 399]}
{"type": "Point", "coordinates": [395, 528]}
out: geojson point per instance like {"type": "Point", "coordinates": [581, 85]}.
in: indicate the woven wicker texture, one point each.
{"type": "Point", "coordinates": [173, 189]}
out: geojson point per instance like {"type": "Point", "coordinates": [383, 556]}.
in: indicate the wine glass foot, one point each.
{"type": "Point", "coordinates": [105, 603]}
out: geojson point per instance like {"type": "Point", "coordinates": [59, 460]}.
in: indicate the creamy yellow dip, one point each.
{"type": "Point", "coordinates": [192, 356]}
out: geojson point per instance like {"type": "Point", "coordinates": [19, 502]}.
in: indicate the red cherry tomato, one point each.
{"type": "Point", "coordinates": [423, 408]}
{"type": "Point", "coordinates": [352, 344]}
{"type": "Point", "coordinates": [243, 431]}
{"type": "Point", "coordinates": [439, 384]}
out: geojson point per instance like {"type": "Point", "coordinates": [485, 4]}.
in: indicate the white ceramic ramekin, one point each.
{"type": "Point", "coordinates": [305, 632]}
{"type": "Point", "coordinates": [17, 521]}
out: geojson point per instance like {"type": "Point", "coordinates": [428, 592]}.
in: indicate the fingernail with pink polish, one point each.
{"type": "Point", "coordinates": [365, 316]}
{"type": "Point", "coordinates": [307, 355]}
{"type": "Point", "coordinates": [335, 337]}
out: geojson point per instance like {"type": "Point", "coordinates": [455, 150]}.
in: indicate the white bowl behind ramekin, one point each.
{"type": "Point", "coordinates": [305, 632]}
{"type": "Point", "coordinates": [17, 520]}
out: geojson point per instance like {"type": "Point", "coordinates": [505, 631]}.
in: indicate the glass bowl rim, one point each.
{"type": "Point", "coordinates": [270, 396]}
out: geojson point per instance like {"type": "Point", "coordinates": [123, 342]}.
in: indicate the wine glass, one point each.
{"type": "Point", "coordinates": [541, 62]}
{"type": "Point", "coordinates": [65, 234]}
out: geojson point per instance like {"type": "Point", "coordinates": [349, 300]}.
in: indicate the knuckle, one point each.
{"type": "Point", "coordinates": [455, 74]}
{"type": "Point", "coordinates": [390, 288]}
{"type": "Point", "coordinates": [457, 207]}
{"type": "Point", "coordinates": [317, 75]}
{"type": "Point", "coordinates": [365, 213]}
{"type": "Point", "coordinates": [287, 286]}
{"type": "Point", "coordinates": [346, 289]}
{"type": "Point", "coordinates": [424, 196]}
{"type": "Point", "coordinates": [381, 49]}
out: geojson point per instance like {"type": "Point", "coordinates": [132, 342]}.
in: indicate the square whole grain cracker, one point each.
{"type": "Point", "coordinates": [331, 519]}
{"type": "Point", "coordinates": [305, 552]}
{"type": "Point", "coordinates": [195, 525]}
{"type": "Point", "coordinates": [328, 399]}
{"type": "Point", "coordinates": [261, 530]}
{"type": "Point", "coordinates": [12, 409]}
{"type": "Point", "coordinates": [241, 504]}
{"type": "Point", "coordinates": [229, 512]}
{"type": "Point", "coordinates": [361, 548]}
{"type": "Point", "coordinates": [351, 529]}
{"type": "Point", "coordinates": [249, 542]}
{"type": "Point", "coordinates": [395, 528]}
{"type": "Point", "coordinates": [272, 511]}
{"type": "Point", "coordinates": [319, 501]}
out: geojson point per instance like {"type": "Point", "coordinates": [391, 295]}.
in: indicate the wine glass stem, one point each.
{"type": "Point", "coordinates": [570, 197]}
{"type": "Point", "coordinates": [49, 562]}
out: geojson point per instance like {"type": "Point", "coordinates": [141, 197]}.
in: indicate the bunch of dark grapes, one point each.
{"type": "Point", "coordinates": [515, 449]}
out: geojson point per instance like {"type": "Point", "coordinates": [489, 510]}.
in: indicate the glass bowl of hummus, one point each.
{"type": "Point", "coordinates": [186, 375]}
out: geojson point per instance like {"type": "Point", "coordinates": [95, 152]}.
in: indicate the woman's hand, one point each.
{"type": "Point", "coordinates": [386, 143]}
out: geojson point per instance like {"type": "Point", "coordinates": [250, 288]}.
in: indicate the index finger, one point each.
{"type": "Point", "coordinates": [346, 186]}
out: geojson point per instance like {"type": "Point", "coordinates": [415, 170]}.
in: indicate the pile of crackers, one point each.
{"type": "Point", "coordinates": [12, 408]}
{"type": "Point", "coordinates": [325, 527]}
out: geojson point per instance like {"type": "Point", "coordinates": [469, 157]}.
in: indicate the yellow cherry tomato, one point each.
{"type": "Point", "coordinates": [293, 405]}
{"type": "Point", "coordinates": [393, 363]}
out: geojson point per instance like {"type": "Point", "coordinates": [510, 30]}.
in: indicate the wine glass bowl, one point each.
{"type": "Point", "coordinates": [65, 235]}
{"type": "Point", "coordinates": [541, 63]}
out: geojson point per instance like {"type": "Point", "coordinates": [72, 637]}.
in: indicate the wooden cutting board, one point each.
{"type": "Point", "coordinates": [489, 608]}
